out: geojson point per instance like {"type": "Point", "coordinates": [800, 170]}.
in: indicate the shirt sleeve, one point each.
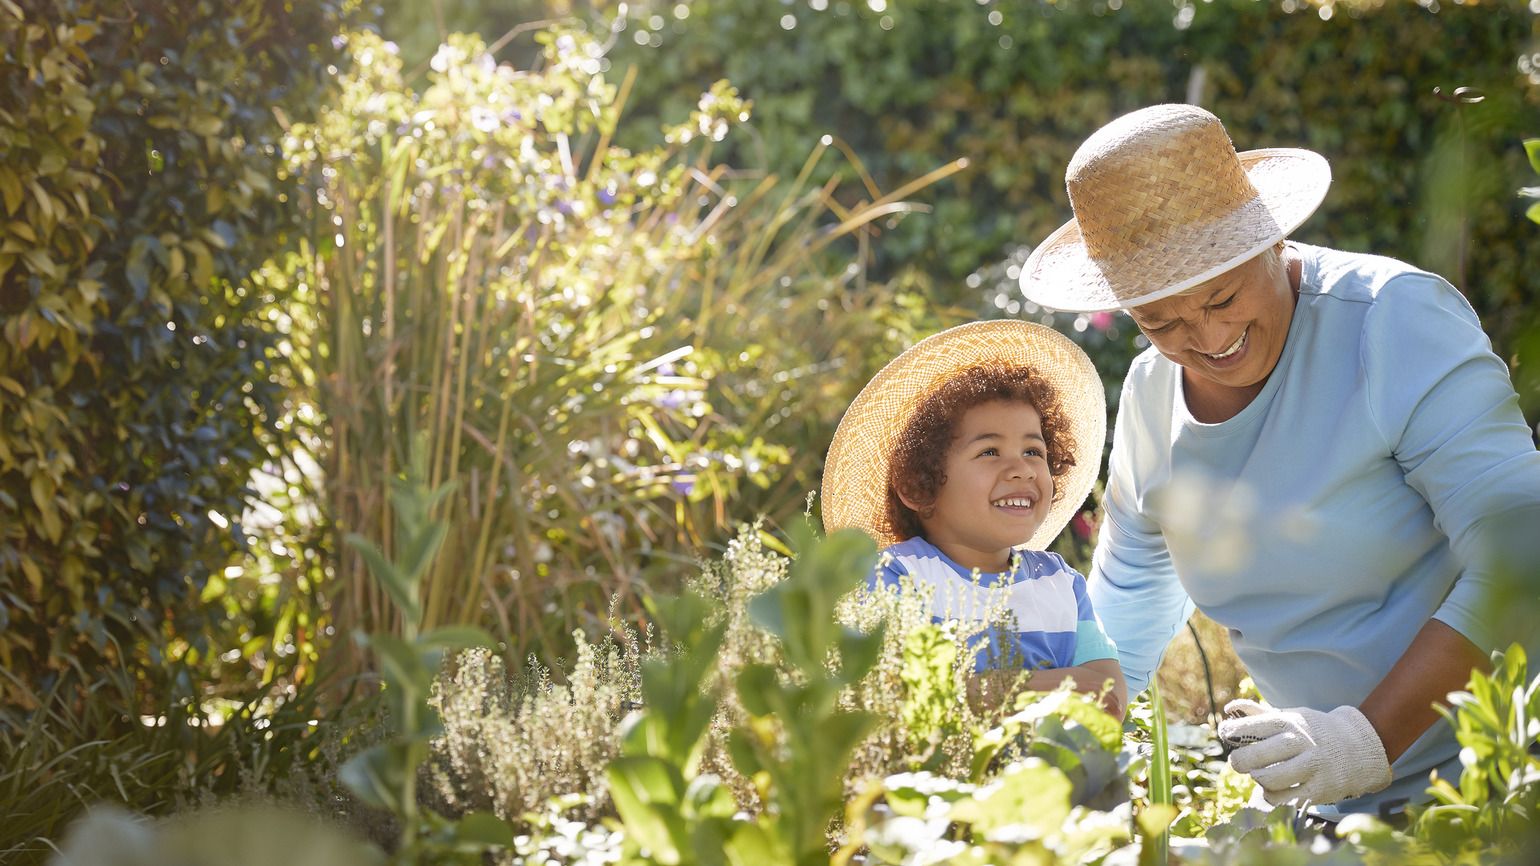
{"type": "Point", "coordinates": [1446, 408]}
{"type": "Point", "coordinates": [1133, 586]}
{"type": "Point", "coordinates": [1091, 641]}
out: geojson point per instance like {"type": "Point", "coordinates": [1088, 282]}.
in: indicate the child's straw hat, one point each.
{"type": "Point", "coordinates": [855, 479]}
{"type": "Point", "coordinates": [1162, 203]}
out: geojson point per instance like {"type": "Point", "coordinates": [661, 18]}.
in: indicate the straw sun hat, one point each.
{"type": "Point", "coordinates": [1163, 203]}
{"type": "Point", "coordinates": [855, 480]}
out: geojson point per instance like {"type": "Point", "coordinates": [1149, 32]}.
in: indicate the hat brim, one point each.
{"type": "Point", "coordinates": [1291, 183]}
{"type": "Point", "coordinates": [855, 481]}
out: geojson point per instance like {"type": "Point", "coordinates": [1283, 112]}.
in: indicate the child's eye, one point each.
{"type": "Point", "coordinates": [1034, 452]}
{"type": "Point", "coordinates": [989, 452]}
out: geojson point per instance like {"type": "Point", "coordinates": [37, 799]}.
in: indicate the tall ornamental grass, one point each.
{"type": "Point", "coordinates": [601, 348]}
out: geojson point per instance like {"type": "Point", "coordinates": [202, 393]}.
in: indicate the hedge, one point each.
{"type": "Point", "coordinates": [1016, 86]}
{"type": "Point", "coordinates": [137, 375]}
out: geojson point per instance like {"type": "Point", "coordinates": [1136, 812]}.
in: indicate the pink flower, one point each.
{"type": "Point", "coordinates": [1083, 525]}
{"type": "Point", "coordinates": [1101, 321]}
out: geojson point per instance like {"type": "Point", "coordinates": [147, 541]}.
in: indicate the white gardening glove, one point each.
{"type": "Point", "coordinates": [1304, 754]}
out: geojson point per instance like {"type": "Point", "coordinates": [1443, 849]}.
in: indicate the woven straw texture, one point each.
{"type": "Point", "coordinates": [1163, 203]}
{"type": "Point", "coordinates": [855, 480]}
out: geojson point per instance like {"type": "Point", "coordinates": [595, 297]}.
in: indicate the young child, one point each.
{"type": "Point", "coordinates": [965, 456]}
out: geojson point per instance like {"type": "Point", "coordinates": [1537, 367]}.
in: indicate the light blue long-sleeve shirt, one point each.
{"type": "Point", "coordinates": [1329, 520]}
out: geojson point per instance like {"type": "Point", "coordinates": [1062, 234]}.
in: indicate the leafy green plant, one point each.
{"type": "Point", "coordinates": [138, 390]}
{"type": "Point", "coordinates": [155, 755]}
{"type": "Point", "coordinates": [795, 745]}
{"type": "Point", "coordinates": [385, 776]}
{"type": "Point", "coordinates": [1532, 150]}
{"type": "Point", "coordinates": [1495, 810]}
{"type": "Point", "coordinates": [1050, 784]}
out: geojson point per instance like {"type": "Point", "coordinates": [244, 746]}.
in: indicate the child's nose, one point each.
{"type": "Point", "coordinates": [1021, 467]}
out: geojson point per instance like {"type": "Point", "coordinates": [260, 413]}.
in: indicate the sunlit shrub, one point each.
{"type": "Point", "coordinates": [605, 348]}
{"type": "Point", "coordinates": [513, 743]}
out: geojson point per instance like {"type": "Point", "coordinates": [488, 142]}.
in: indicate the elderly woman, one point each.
{"type": "Point", "coordinates": [1314, 452]}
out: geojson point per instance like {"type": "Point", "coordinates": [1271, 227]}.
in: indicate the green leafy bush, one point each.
{"type": "Point", "coordinates": [1016, 86]}
{"type": "Point", "coordinates": [139, 191]}
{"type": "Point", "coordinates": [511, 744]}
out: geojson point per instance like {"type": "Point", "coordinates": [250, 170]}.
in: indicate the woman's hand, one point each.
{"type": "Point", "coordinates": [1300, 754]}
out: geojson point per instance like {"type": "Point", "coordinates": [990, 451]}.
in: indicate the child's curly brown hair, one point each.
{"type": "Point", "coordinates": [918, 464]}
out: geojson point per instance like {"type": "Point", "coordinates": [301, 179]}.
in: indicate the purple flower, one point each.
{"type": "Point", "coordinates": [672, 400]}
{"type": "Point", "coordinates": [338, 42]}
{"type": "Point", "coordinates": [682, 485]}
{"type": "Point", "coordinates": [606, 197]}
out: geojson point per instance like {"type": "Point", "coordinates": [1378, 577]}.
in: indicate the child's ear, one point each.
{"type": "Point", "coordinates": [910, 501]}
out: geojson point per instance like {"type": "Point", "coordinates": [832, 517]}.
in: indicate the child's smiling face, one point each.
{"type": "Point", "coordinates": [998, 488]}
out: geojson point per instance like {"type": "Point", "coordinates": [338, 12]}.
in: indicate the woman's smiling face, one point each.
{"type": "Point", "coordinates": [1229, 331]}
{"type": "Point", "coordinates": [998, 487]}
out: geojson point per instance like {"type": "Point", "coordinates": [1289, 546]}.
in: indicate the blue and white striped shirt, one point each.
{"type": "Point", "coordinates": [1055, 626]}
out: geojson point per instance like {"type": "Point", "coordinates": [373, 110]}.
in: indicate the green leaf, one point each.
{"type": "Point", "coordinates": [859, 652]}
{"type": "Point", "coordinates": [756, 683]}
{"type": "Point", "coordinates": [1532, 148]}
{"type": "Point", "coordinates": [205, 124]}
{"type": "Point", "coordinates": [400, 590]}
{"type": "Point", "coordinates": [483, 830]}
{"type": "Point", "coordinates": [1533, 212]}
{"type": "Point", "coordinates": [456, 637]}
{"type": "Point", "coordinates": [752, 845]}
{"type": "Point", "coordinates": [419, 551]}
{"type": "Point", "coordinates": [646, 794]}
{"type": "Point", "coordinates": [377, 775]}
{"type": "Point", "coordinates": [707, 797]}
{"type": "Point", "coordinates": [10, 190]}
{"type": "Point", "coordinates": [138, 268]}
{"type": "Point", "coordinates": [401, 666]}
{"type": "Point", "coordinates": [1029, 793]}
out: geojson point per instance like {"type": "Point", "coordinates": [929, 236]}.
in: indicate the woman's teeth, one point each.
{"type": "Point", "coordinates": [1234, 347]}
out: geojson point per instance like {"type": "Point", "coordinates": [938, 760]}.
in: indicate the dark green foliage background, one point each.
{"type": "Point", "coordinates": [137, 376]}
{"type": "Point", "coordinates": [924, 82]}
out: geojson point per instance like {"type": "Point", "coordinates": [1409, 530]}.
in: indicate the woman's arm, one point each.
{"type": "Point", "coordinates": [1132, 584]}
{"type": "Point", "coordinates": [1438, 662]}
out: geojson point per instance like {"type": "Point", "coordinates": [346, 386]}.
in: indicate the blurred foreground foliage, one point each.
{"type": "Point", "coordinates": [1054, 780]}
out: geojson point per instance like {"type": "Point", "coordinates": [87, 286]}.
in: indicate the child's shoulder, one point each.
{"type": "Point", "coordinates": [1043, 563]}
{"type": "Point", "coordinates": [915, 546]}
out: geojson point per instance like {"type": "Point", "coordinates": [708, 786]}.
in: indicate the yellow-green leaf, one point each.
{"type": "Point", "coordinates": [205, 124]}
{"type": "Point", "coordinates": [13, 386]}
{"type": "Point", "coordinates": [22, 230]}
{"type": "Point", "coordinates": [44, 202]}
{"type": "Point", "coordinates": [10, 190]}
{"type": "Point", "coordinates": [34, 574]}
